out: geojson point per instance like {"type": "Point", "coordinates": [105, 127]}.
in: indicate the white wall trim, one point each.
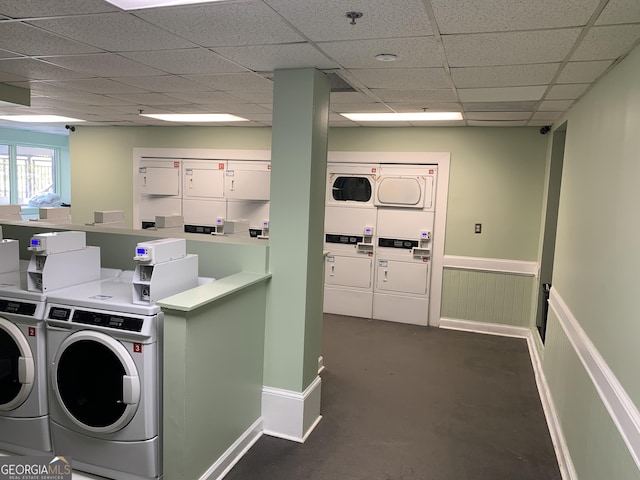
{"type": "Point", "coordinates": [234, 453]}
{"type": "Point", "coordinates": [623, 412]}
{"type": "Point", "coordinates": [291, 415]}
{"type": "Point", "coordinates": [565, 463]}
{"type": "Point", "coordinates": [515, 267]}
{"type": "Point", "coordinates": [484, 327]}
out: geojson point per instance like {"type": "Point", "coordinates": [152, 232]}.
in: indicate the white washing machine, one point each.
{"type": "Point", "coordinates": [24, 412]}
{"type": "Point", "coordinates": [105, 368]}
{"type": "Point", "coordinates": [403, 261]}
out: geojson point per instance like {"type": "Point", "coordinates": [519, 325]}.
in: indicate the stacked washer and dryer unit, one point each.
{"type": "Point", "coordinates": [59, 260]}
{"type": "Point", "coordinates": [379, 222]}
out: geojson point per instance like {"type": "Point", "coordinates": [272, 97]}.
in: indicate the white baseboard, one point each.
{"type": "Point", "coordinates": [555, 430]}
{"type": "Point", "coordinates": [291, 415]}
{"type": "Point", "coordinates": [234, 453]}
{"type": "Point", "coordinates": [483, 327]}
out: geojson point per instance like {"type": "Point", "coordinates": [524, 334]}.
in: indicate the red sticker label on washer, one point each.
{"type": "Point", "coordinates": [431, 171]}
{"type": "Point", "coordinates": [137, 348]}
{"type": "Point", "coordinates": [221, 166]}
{"type": "Point", "coordinates": [373, 170]}
{"type": "Point", "coordinates": [32, 331]}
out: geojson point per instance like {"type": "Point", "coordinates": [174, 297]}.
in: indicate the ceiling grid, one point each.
{"type": "Point", "coordinates": [498, 62]}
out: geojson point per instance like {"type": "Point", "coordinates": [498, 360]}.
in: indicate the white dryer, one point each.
{"type": "Point", "coordinates": [105, 367]}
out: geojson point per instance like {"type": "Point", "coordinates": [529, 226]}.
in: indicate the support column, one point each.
{"type": "Point", "coordinates": [291, 396]}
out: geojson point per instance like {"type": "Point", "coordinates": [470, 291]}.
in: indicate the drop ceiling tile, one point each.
{"type": "Point", "coordinates": [469, 16]}
{"type": "Point", "coordinates": [233, 81]}
{"type": "Point", "coordinates": [27, 40]}
{"type": "Point", "coordinates": [262, 96]}
{"type": "Point", "coordinates": [38, 70]}
{"type": "Point", "coordinates": [7, 54]}
{"type": "Point", "coordinates": [206, 98]}
{"type": "Point", "coordinates": [259, 117]}
{"type": "Point", "coordinates": [555, 105]}
{"type": "Point", "coordinates": [546, 116]}
{"type": "Point", "coordinates": [415, 96]}
{"type": "Point", "coordinates": [496, 123]}
{"type": "Point", "coordinates": [266, 58]}
{"type": "Point", "coordinates": [115, 32]}
{"type": "Point", "coordinates": [361, 108]}
{"type": "Point", "coordinates": [224, 24]}
{"type": "Point", "coordinates": [499, 106]}
{"type": "Point", "coordinates": [504, 76]}
{"type": "Point", "coordinates": [89, 99]}
{"type": "Point", "coordinates": [498, 116]}
{"type": "Point", "coordinates": [620, 11]}
{"type": "Point", "coordinates": [566, 92]}
{"type": "Point", "coordinates": [326, 20]}
{"type": "Point", "coordinates": [411, 52]}
{"type": "Point", "coordinates": [104, 65]}
{"type": "Point", "coordinates": [186, 61]}
{"type": "Point", "coordinates": [583, 72]}
{"type": "Point", "coordinates": [134, 109]}
{"type": "Point", "coordinates": [432, 124]}
{"type": "Point", "coordinates": [403, 79]}
{"type": "Point", "coordinates": [348, 97]}
{"type": "Point", "coordinates": [610, 42]}
{"type": "Point", "coordinates": [504, 94]}
{"type": "Point", "coordinates": [162, 83]}
{"type": "Point", "coordinates": [153, 99]}
{"type": "Point", "coordinates": [509, 48]}
{"type": "Point", "coordinates": [538, 123]}
{"type": "Point", "coordinates": [98, 85]}
{"type": "Point", "coordinates": [35, 8]}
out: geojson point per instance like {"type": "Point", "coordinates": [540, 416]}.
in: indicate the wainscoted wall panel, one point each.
{"type": "Point", "coordinates": [595, 445]}
{"type": "Point", "coordinates": [492, 297]}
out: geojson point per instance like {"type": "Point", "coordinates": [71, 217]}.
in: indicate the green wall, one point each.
{"type": "Point", "coordinates": [497, 174]}
{"type": "Point", "coordinates": [596, 257]}
{"type": "Point", "coordinates": [102, 166]}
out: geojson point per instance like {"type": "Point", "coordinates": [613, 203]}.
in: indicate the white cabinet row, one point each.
{"type": "Point", "coordinates": [211, 179]}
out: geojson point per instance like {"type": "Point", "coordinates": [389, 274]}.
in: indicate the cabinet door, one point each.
{"type": "Point", "coordinates": [402, 277]}
{"type": "Point", "coordinates": [248, 180]}
{"type": "Point", "coordinates": [204, 179]}
{"type": "Point", "coordinates": [159, 178]}
{"type": "Point", "coordinates": [348, 271]}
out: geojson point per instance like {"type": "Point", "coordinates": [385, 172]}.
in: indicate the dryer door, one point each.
{"type": "Point", "coordinates": [96, 381]}
{"type": "Point", "coordinates": [17, 368]}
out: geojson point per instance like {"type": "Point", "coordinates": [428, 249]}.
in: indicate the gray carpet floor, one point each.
{"type": "Point", "coordinates": [401, 402]}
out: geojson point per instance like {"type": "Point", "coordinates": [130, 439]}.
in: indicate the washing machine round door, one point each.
{"type": "Point", "coordinates": [17, 368]}
{"type": "Point", "coordinates": [96, 381]}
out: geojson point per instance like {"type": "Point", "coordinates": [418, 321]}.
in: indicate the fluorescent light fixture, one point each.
{"type": "Point", "coordinates": [195, 117]}
{"type": "Point", "coordinates": [39, 119]}
{"type": "Point", "coordinates": [138, 4]}
{"type": "Point", "coordinates": [403, 117]}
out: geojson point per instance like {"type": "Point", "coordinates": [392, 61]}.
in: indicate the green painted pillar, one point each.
{"type": "Point", "coordinates": [298, 169]}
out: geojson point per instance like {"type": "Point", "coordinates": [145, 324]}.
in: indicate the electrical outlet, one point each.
{"type": "Point", "coordinates": [478, 228]}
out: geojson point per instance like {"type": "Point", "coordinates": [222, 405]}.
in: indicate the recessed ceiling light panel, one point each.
{"type": "Point", "coordinates": [40, 119]}
{"type": "Point", "coordinates": [195, 117]}
{"type": "Point", "coordinates": [403, 117]}
{"type": "Point", "coordinates": [139, 4]}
